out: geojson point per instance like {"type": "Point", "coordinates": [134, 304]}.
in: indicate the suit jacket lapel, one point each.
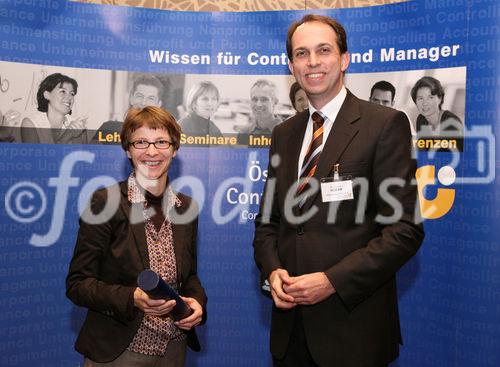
{"type": "Point", "coordinates": [342, 133]}
{"type": "Point", "coordinates": [137, 226]}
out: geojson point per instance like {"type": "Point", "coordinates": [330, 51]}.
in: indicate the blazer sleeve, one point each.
{"type": "Point", "coordinates": [363, 271]}
{"type": "Point", "coordinates": [84, 284]}
{"type": "Point", "coordinates": [267, 221]}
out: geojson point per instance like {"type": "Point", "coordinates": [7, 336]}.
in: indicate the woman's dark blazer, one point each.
{"type": "Point", "coordinates": [107, 259]}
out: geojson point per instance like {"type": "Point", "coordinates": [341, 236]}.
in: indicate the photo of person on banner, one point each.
{"type": "Point", "coordinates": [384, 93]}
{"type": "Point", "coordinates": [153, 227]}
{"type": "Point", "coordinates": [51, 124]}
{"type": "Point", "coordinates": [332, 267]}
{"type": "Point", "coordinates": [263, 101]}
{"type": "Point", "coordinates": [147, 90]}
{"type": "Point", "coordinates": [202, 102]}
{"type": "Point", "coordinates": [298, 97]}
{"type": "Point", "coordinates": [428, 96]}
{"type": "Point", "coordinates": [8, 122]}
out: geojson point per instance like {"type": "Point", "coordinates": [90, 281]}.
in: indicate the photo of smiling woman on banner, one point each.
{"type": "Point", "coordinates": [202, 102]}
{"type": "Point", "coordinates": [154, 228]}
{"type": "Point", "coordinates": [51, 125]}
{"type": "Point", "coordinates": [428, 96]}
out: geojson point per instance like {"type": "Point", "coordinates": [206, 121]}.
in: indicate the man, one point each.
{"type": "Point", "coordinates": [331, 257]}
{"type": "Point", "coordinates": [147, 90]}
{"type": "Point", "coordinates": [263, 101]}
{"type": "Point", "coordinates": [383, 93]}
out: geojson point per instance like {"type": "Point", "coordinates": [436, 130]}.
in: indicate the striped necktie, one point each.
{"type": "Point", "coordinates": [313, 152]}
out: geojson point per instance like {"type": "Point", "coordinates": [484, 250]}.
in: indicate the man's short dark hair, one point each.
{"type": "Point", "coordinates": [384, 86]}
{"type": "Point", "coordinates": [336, 26]}
{"type": "Point", "coordinates": [145, 79]}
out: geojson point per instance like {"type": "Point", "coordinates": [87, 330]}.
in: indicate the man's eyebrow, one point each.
{"type": "Point", "coordinates": [316, 46]}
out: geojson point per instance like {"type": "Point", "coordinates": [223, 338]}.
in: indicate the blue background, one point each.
{"type": "Point", "coordinates": [449, 293]}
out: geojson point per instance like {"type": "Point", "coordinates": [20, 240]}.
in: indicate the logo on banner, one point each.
{"type": "Point", "coordinates": [443, 201]}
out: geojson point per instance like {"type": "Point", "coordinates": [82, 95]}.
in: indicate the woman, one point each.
{"type": "Point", "coordinates": [428, 95]}
{"type": "Point", "coordinates": [55, 97]}
{"type": "Point", "coordinates": [152, 227]}
{"type": "Point", "coordinates": [202, 102]}
{"type": "Point", "coordinates": [298, 98]}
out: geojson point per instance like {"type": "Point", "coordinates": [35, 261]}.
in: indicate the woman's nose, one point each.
{"type": "Point", "coordinates": [151, 150]}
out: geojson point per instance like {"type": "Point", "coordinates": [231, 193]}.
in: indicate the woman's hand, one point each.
{"type": "Point", "coordinates": [79, 123]}
{"type": "Point", "coordinates": [154, 307]}
{"type": "Point", "coordinates": [10, 118]}
{"type": "Point", "coordinates": [194, 319]}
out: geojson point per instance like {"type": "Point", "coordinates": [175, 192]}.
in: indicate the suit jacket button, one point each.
{"type": "Point", "coordinates": [300, 230]}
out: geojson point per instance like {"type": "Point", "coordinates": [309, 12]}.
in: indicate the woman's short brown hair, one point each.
{"type": "Point", "coordinates": [151, 117]}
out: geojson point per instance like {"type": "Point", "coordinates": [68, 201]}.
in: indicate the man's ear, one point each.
{"type": "Point", "coordinates": [344, 61]}
{"type": "Point", "coordinates": [46, 95]}
{"type": "Point", "coordinates": [128, 154]}
{"type": "Point", "coordinates": [290, 67]}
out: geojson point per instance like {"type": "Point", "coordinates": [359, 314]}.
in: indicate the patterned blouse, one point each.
{"type": "Point", "coordinates": [155, 332]}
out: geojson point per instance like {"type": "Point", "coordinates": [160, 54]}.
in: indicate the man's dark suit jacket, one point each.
{"type": "Point", "coordinates": [359, 324]}
{"type": "Point", "coordinates": [103, 273]}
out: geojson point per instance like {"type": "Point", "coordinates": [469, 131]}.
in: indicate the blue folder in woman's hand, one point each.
{"type": "Point", "coordinates": [156, 288]}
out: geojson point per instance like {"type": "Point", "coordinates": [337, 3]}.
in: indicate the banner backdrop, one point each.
{"type": "Point", "coordinates": [449, 293]}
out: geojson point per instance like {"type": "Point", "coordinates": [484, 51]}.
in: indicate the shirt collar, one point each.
{"type": "Point", "coordinates": [136, 195]}
{"type": "Point", "coordinates": [332, 108]}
